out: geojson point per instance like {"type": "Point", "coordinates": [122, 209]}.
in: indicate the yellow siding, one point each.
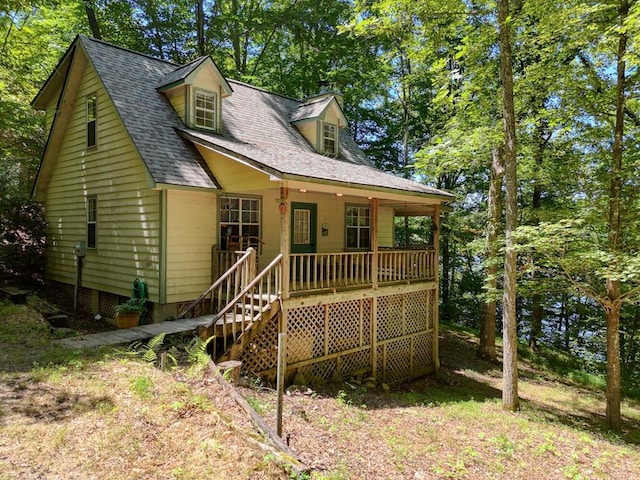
{"type": "Point", "coordinates": [234, 176]}
{"type": "Point", "coordinates": [331, 116]}
{"type": "Point", "coordinates": [50, 113]}
{"type": "Point", "coordinates": [177, 97]}
{"type": "Point", "coordinates": [191, 231]}
{"type": "Point", "coordinates": [207, 79]}
{"type": "Point", "coordinates": [309, 130]}
{"type": "Point", "coordinates": [385, 227]}
{"type": "Point", "coordinates": [128, 236]}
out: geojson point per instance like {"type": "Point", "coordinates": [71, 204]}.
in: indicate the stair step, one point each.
{"type": "Point", "coordinates": [255, 308]}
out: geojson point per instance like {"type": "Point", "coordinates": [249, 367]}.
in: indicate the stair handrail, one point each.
{"type": "Point", "coordinates": [236, 266]}
{"type": "Point", "coordinates": [246, 290]}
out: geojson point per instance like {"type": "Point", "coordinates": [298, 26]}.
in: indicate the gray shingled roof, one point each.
{"type": "Point", "coordinates": [130, 79]}
{"type": "Point", "coordinates": [256, 125]}
{"type": "Point", "coordinates": [291, 162]}
{"type": "Point", "coordinates": [311, 109]}
{"type": "Point", "coordinates": [180, 73]}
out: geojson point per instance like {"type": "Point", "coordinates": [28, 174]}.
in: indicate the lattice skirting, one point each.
{"type": "Point", "coordinates": [340, 339]}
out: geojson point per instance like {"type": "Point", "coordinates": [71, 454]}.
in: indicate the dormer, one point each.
{"type": "Point", "coordinates": [319, 119]}
{"type": "Point", "coordinates": [195, 91]}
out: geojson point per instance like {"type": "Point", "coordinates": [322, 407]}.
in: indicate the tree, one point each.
{"type": "Point", "coordinates": [510, 336]}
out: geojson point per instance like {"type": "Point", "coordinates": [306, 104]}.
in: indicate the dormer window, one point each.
{"type": "Point", "coordinates": [205, 109]}
{"type": "Point", "coordinates": [330, 139]}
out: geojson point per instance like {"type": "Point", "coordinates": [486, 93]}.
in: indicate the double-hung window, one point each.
{"type": "Point", "coordinates": [330, 139]}
{"type": "Point", "coordinates": [358, 223]}
{"type": "Point", "coordinates": [92, 221]}
{"type": "Point", "coordinates": [239, 223]}
{"type": "Point", "coordinates": [205, 109]}
{"type": "Point", "coordinates": [92, 115]}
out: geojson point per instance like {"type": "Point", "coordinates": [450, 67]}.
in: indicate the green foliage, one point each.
{"type": "Point", "coordinates": [133, 305]}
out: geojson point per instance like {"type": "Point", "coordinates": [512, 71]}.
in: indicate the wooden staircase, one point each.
{"type": "Point", "coordinates": [240, 303]}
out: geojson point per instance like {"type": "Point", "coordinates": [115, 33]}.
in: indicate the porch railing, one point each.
{"type": "Point", "coordinates": [225, 287]}
{"type": "Point", "coordinates": [322, 271]}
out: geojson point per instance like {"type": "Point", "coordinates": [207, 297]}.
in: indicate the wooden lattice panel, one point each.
{"type": "Point", "coordinates": [344, 326]}
{"type": "Point", "coordinates": [305, 335]}
{"type": "Point", "coordinates": [262, 353]}
{"type": "Point", "coordinates": [397, 360]}
{"type": "Point", "coordinates": [423, 351]}
{"type": "Point", "coordinates": [354, 362]}
{"type": "Point", "coordinates": [84, 297]}
{"type": "Point", "coordinates": [416, 312]}
{"type": "Point", "coordinates": [389, 317]}
{"type": "Point", "coordinates": [431, 309]}
{"type": "Point", "coordinates": [107, 303]}
{"type": "Point", "coordinates": [318, 372]}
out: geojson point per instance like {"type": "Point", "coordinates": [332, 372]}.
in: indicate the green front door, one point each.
{"type": "Point", "coordinates": [303, 227]}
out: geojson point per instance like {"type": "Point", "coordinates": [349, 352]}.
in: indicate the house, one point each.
{"type": "Point", "coordinates": [192, 183]}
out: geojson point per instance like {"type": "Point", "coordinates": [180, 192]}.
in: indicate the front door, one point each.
{"type": "Point", "coordinates": [303, 227]}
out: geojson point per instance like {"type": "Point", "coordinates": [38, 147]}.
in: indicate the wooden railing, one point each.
{"type": "Point", "coordinates": [401, 265]}
{"type": "Point", "coordinates": [318, 271]}
{"type": "Point", "coordinates": [322, 271]}
{"type": "Point", "coordinates": [225, 287]}
{"type": "Point", "coordinates": [251, 302]}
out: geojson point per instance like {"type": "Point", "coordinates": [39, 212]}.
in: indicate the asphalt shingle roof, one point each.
{"type": "Point", "coordinates": [180, 73]}
{"type": "Point", "coordinates": [256, 125]}
{"type": "Point", "coordinates": [311, 109]}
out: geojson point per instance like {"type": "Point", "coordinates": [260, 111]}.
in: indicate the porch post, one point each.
{"type": "Point", "coordinates": [436, 314]}
{"type": "Point", "coordinates": [285, 239]}
{"type": "Point", "coordinates": [373, 208]}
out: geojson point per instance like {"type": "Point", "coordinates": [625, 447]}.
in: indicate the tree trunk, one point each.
{"type": "Point", "coordinates": [91, 18]}
{"type": "Point", "coordinates": [510, 341]}
{"type": "Point", "coordinates": [487, 346]}
{"type": "Point", "coordinates": [200, 27]}
{"type": "Point", "coordinates": [612, 306]}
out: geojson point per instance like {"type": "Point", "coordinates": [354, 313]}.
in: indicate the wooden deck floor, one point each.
{"type": "Point", "coordinates": [127, 335]}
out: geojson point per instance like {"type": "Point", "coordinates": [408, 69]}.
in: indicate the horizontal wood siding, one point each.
{"type": "Point", "coordinates": [235, 177]}
{"type": "Point", "coordinates": [385, 227]}
{"type": "Point", "coordinates": [191, 231]}
{"type": "Point", "coordinates": [177, 97]}
{"type": "Point", "coordinates": [309, 130]}
{"type": "Point", "coordinates": [128, 222]}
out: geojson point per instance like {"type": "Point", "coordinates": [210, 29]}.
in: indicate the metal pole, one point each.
{"type": "Point", "coordinates": [282, 348]}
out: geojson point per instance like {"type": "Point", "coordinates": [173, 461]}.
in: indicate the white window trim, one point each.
{"type": "Point", "coordinates": [240, 223]}
{"type": "Point", "coordinates": [93, 96]}
{"type": "Point", "coordinates": [357, 227]}
{"type": "Point", "coordinates": [325, 137]}
{"type": "Point", "coordinates": [214, 111]}
{"type": "Point", "coordinates": [94, 222]}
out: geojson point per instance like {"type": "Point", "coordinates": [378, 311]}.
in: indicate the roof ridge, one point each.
{"type": "Point", "coordinates": [124, 49]}
{"type": "Point", "coordinates": [261, 89]}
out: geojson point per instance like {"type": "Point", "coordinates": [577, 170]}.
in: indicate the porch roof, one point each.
{"type": "Point", "coordinates": [293, 164]}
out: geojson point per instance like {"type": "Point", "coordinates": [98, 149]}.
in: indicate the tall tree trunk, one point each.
{"type": "Point", "coordinates": [613, 287]}
{"type": "Point", "coordinates": [487, 346]}
{"type": "Point", "coordinates": [510, 399]}
{"type": "Point", "coordinates": [91, 18]}
{"type": "Point", "coordinates": [200, 27]}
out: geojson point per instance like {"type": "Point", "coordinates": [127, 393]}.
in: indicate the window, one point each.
{"type": "Point", "coordinates": [330, 137]}
{"type": "Point", "coordinates": [301, 227]}
{"type": "Point", "coordinates": [92, 113]}
{"type": "Point", "coordinates": [239, 223]}
{"type": "Point", "coordinates": [205, 110]}
{"type": "Point", "coordinates": [92, 221]}
{"type": "Point", "coordinates": [358, 227]}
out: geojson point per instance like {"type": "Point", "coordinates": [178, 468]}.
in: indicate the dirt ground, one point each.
{"type": "Point", "coordinates": [449, 425]}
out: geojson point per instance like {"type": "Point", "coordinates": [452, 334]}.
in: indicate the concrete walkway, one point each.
{"type": "Point", "coordinates": [127, 335]}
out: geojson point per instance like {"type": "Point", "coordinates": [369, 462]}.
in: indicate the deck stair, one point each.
{"type": "Point", "coordinates": [240, 303]}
